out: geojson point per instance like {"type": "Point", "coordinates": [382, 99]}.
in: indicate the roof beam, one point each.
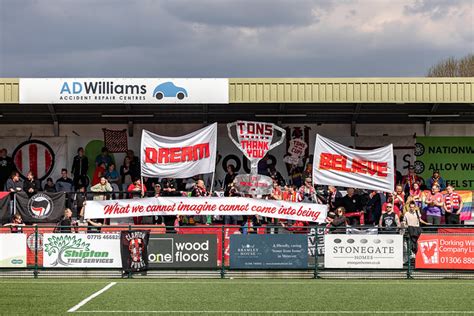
{"type": "Point", "coordinates": [54, 116]}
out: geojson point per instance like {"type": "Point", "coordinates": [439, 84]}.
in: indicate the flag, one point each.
{"type": "Point", "coordinates": [134, 245]}
{"type": "Point", "coordinates": [42, 207]}
{"type": "Point", "coordinates": [5, 215]}
{"type": "Point", "coordinates": [115, 141]}
{"type": "Point", "coordinates": [179, 157]}
{"type": "Point", "coordinates": [338, 165]}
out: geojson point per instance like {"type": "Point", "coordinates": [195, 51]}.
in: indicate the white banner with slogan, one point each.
{"type": "Point", "coordinates": [179, 157]}
{"type": "Point", "coordinates": [363, 251]}
{"type": "Point", "coordinates": [81, 251]}
{"type": "Point", "coordinates": [338, 165]}
{"type": "Point", "coordinates": [12, 250]}
{"type": "Point", "coordinates": [206, 206]}
{"type": "Point", "coordinates": [124, 90]}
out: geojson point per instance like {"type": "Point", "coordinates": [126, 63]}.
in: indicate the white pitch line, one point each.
{"type": "Point", "coordinates": [253, 282]}
{"type": "Point", "coordinates": [285, 312]}
{"type": "Point", "coordinates": [87, 299]}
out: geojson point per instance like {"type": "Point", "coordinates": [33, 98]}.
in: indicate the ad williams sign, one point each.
{"type": "Point", "coordinates": [123, 90]}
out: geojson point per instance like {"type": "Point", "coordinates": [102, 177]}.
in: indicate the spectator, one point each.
{"type": "Point", "coordinates": [307, 193]}
{"type": "Point", "coordinates": [200, 191]}
{"type": "Point", "coordinates": [452, 205]}
{"type": "Point", "coordinates": [276, 175]}
{"type": "Point", "coordinates": [276, 194]}
{"type": "Point", "coordinates": [411, 178]}
{"type": "Point", "coordinates": [64, 184]}
{"type": "Point", "coordinates": [416, 193]}
{"type": "Point", "coordinates": [395, 207]}
{"type": "Point", "coordinates": [352, 204]}
{"type": "Point", "coordinates": [296, 175]}
{"type": "Point", "coordinates": [412, 220]}
{"type": "Point", "coordinates": [157, 190]}
{"type": "Point", "coordinates": [78, 200]}
{"type": "Point", "coordinates": [435, 180]}
{"type": "Point", "coordinates": [113, 177]}
{"type": "Point", "coordinates": [298, 227]}
{"type": "Point", "coordinates": [399, 196]}
{"type": "Point", "coordinates": [102, 186]}
{"type": "Point", "coordinates": [99, 172]}
{"type": "Point", "coordinates": [126, 173]}
{"type": "Point", "coordinates": [338, 220]}
{"type": "Point", "coordinates": [334, 198]}
{"type": "Point", "coordinates": [49, 186]}
{"type": "Point", "coordinates": [168, 187]}
{"type": "Point", "coordinates": [134, 164]}
{"type": "Point", "coordinates": [434, 202]}
{"type": "Point", "coordinates": [389, 221]}
{"type": "Point", "coordinates": [6, 168]}
{"type": "Point", "coordinates": [66, 223]}
{"type": "Point", "coordinates": [374, 207]}
{"type": "Point", "coordinates": [80, 166]}
{"type": "Point", "coordinates": [104, 158]}
{"type": "Point", "coordinates": [14, 183]}
{"type": "Point", "coordinates": [16, 224]}
{"type": "Point", "coordinates": [229, 179]}
{"type": "Point", "coordinates": [290, 194]}
{"type": "Point", "coordinates": [136, 189]}
{"type": "Point", "coordinates": [31, 185]}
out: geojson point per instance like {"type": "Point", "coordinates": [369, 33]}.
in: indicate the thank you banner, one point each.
{"type": "Point", "coordinates": [179, 157]}
{"type": "Point", "coordinates": [338, 165]}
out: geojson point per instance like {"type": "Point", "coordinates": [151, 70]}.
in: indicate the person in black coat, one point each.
{"type": "Point", "coordinates": [31, 185]}
{"type": "Point", "coordinates": [80, 166]}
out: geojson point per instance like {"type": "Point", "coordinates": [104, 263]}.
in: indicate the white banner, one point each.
{"type": "Point", "coordinates": [81, 251]}
{"type": "Point", "coordinates": [363, 251]}
{"type": "Point", "coordinates": [12, 250]}
{"type": "Point", "coordinates": [335, 164]}
{"type": "Point", "coordinates": [206, 206]}
{"type": "Point", "coordinates": [123, 90]}
{"type": "Point", "coordinates": [179, 157]}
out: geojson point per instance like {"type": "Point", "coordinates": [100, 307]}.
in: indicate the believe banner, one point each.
{"type": "Point", "coordinates": [338, 165]}
{"type": "Point", "coordinates": [205, 206]}
{"type": "Point", "coordinates": [452, 156]}
{"type": "Point", "coordinates": [179, 157]}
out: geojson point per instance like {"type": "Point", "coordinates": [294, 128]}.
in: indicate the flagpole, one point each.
{"type": "Point", "coordinates": [212, 182]}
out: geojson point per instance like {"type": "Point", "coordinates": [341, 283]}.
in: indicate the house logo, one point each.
{"type": "Point", "coordinates": [429, 251]}
{"type": "Point", "coordinates": [169, 90]}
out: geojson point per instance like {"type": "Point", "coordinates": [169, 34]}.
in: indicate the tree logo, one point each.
{"type": "Point", "coordinates": [59, 244]}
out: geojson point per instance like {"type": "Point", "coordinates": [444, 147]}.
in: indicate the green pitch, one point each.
{"type": "Point", "coordinates": [236, 297]}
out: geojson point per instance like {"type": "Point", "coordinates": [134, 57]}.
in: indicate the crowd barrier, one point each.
{"type": "Point", "coordinates": [318, 251]}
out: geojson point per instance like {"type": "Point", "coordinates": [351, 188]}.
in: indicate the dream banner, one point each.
{"type": "Point", "coordinates": [134, 245]}
{"type": "Point", "coordinates": [205, 206]}
{"type": "Point", "coordinates": [43, 207]}
{"type": "Point", "coordinates": [338, 165]}
{"type": "Point", "coordinates": [179, 157]}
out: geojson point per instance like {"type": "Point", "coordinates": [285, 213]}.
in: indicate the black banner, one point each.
{"type": "Point", "coordinates": [5, 215]}
{"type": "Point", "coordinates": [42, 207]}
{"type": "Point", "coordinates": [134, 250]}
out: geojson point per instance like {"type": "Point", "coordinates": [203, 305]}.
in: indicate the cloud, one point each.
{"type": "Point", "coordinates": [436, 9]}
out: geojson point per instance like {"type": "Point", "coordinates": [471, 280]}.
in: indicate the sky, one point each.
{"type": "Point", "coordinates": [231, 38]}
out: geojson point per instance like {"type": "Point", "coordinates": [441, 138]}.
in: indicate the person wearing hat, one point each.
{"type": "Point", "coordinates": [409, 179]}
{"type": "Point", "coordinates": [436, 179]}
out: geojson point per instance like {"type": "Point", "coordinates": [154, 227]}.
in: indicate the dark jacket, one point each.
{"type": "Point", "coordinates": [80, 165]}
{"type": "Point", "coordinates": [34, 184]}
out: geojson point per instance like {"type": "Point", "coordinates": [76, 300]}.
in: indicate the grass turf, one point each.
{"type": "Point", "coordinates": [238, 296]}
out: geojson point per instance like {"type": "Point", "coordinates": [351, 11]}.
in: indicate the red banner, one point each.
{"type": "Point", "coordinates": [445, 252]}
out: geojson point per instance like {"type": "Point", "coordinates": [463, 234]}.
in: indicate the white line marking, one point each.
{"type": "Point", "coordinates": [286, 312]}
{"type": "Point", "coordinates": [86, 300]}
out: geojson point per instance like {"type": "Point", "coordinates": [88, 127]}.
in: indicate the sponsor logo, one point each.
{"type": "Point", "coordinates": [36, 156]}
{"type": "Point", "coordinates": [248, 250]}
{"type": "Point", "coordinates": [40, 206]}
{"type": "Point", "coordinates": [71, 249]}
{"type": "Point", "coordinates": [429, 251]}
{"type": "Point", "coordinates": [177, 154]}
{"type": "Point", "coordinates": [31, 241]}
{"type": "Point", "coordinates": [169, 251]}
{"type": "Point", "coordinates": [16, 261]}
{"type": "Point", "coordinates": [169, 90]}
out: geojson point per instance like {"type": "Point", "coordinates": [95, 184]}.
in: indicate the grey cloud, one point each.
{"type": "Point", "coordinates": [435, 9]}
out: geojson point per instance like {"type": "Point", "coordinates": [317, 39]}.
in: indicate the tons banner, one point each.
{"type": "Point", "coordinates": [335, 164]}
{"type": "Point", "coordinates": [445, 252]}
{"type": "Point", "coordinates": [205, 206]}
{"type": "Point", "coordinates": [363, 251]}
{"type": "Point", "coordinates": [12, 251]}
{"type": "Point", "coordinates": [268, 252]}
{"type": "Point", "coordinates": [179, 157]}
{"type": "Point", "coordinates": [82, 251]}
{"type": "Point", "coordinates": [123, 90]}
{"type": "Point", "coordinates": [42, 207]}
{"type": "Point", "coordinates": [452, 156]}
{"type": "Point", "coordinates": [182, 251]}
{"type": "Point", "coordinates": [134, 250]}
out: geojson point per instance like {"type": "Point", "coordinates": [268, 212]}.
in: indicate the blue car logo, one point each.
{"type": "Point", "coordinates": [169, 90]}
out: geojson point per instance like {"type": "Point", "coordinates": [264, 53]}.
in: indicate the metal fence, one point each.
{"type": "Point", "coordinates": [263, 251]}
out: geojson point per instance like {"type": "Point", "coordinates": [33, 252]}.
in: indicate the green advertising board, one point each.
{"type": "Point", "coordinates": [452, 156]}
